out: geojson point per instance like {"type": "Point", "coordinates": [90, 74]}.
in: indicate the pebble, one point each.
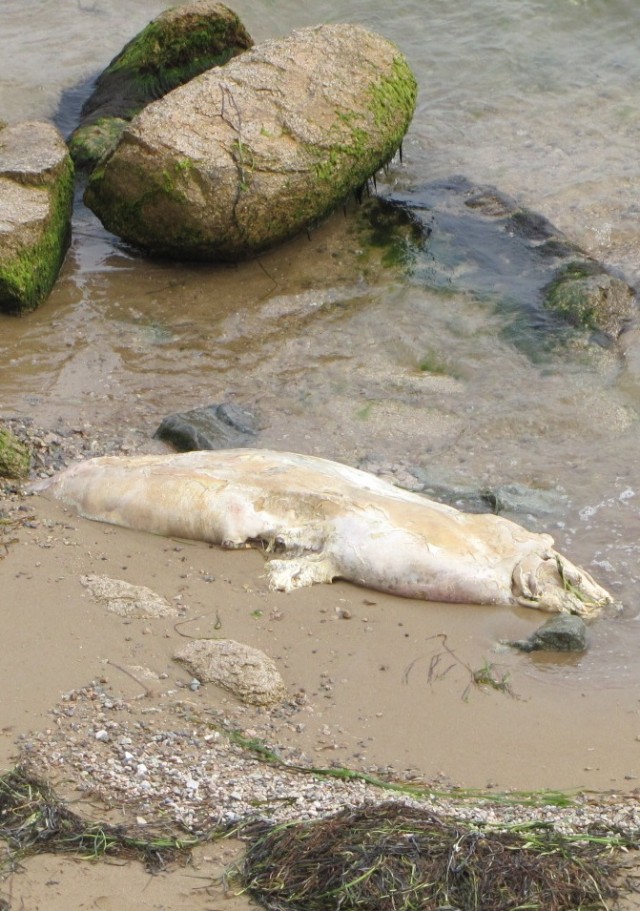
{"type": "Point", "coordinates": [176, 768]}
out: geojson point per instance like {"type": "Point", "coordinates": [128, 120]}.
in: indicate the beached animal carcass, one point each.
{"type": "Point", "coordinates": [319, 520]}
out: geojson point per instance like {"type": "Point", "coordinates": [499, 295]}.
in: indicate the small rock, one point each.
{"type": "Point", "coordinates": [564, 633]}
{"type": "Point", "coordinates": [246, 672]}
{"type": "Point", "coordinates": [223, 426]}
{"type": "Point", "coordinates": [173, 48]}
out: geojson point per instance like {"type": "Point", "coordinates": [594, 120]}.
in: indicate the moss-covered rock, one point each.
{"type": "Point", "coordinates": [15, 457]}
{"type": "Point", "coordinates": [243, 157]}
{"type": "Point", "coordinates": [89, 143]}
{"type": "Point", "coordinates": [176, 46]}
{"type": "Point", "coordinates": [587, 296]}
{"type": "Point", "coordinates": [36, 195]}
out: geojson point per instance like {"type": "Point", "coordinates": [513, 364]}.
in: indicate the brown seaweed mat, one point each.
{"type": "Point", "coordinates": [393, 857]}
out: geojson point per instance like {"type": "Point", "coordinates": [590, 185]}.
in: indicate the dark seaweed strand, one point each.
{"type": "Point", "coordinates": [33, 820]}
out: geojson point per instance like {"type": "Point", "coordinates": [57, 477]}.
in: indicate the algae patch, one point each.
{"type": "Point", "coordinates": [15, 457]}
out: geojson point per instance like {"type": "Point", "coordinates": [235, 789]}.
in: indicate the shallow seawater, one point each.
{"type": "Point", "coordinates": [339, 355]}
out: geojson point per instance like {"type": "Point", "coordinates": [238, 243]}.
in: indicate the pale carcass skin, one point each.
{"type": "Point", "coordinates": [327, 521]}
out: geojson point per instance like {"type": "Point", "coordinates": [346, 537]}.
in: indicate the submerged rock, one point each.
{"type": "Point", "coordinates": [455, 236]}
{"type": "Point", "coordinates": [222, 426]}
{"type": "Point", "coordinates": [247, 155]}
{"type": "Point", "coordinates": [513, 499]}
{"type": "Point", "coordinates": [564, 633]}
{"type": "Point", "coordinates": [179, 44]}
{"type": "Point", "coordinates": [36, 193]}
{"type": "Point", "coordinates": [246, 672]}
{"type": "Point", "coordinates": [586, 295]}
{"type": "Point", "coordinates": [15, 458]}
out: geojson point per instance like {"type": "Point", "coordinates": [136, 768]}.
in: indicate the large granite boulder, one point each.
{"type": "Point", "coordinates": [249, 154]}
{"type": "Point", "coordinates": [36, 194]}
{"type": "Point", "coordinates": [176, 46]}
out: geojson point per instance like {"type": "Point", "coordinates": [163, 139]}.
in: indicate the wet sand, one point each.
{"type": "Point", "coordinates": [381, 691]}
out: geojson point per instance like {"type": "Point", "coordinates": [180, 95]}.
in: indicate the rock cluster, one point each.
{"type": "Point", "coordinates": [250, 154]}
{"type": "Point", "coordinates": [127, 600]}
{"type": "Point", "coordinates": [204, 147]}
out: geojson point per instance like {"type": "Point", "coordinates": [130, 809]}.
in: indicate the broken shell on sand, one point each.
{"type": "Point", "coordinates": [328, 521]}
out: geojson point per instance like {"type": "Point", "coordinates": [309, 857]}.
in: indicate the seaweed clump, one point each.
{"type": "Point", "coordinates": [394, 857]}
{"type": "Point", "coordinates": [33, 820]}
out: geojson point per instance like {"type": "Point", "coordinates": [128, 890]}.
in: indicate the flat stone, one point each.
{"type": "Point", "coordinates": [31, 152]}
{"type": "Point", "coordinates": [458, 236]}
{"type": "Point", "coordinates": [127, 600]}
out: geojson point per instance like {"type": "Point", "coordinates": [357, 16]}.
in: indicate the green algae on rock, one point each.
{"type": "Point", "coordinates": [15, 458]}
{"type": "Point", "coordinates": [589, 297]}
{"type": "Point", "coordinates": [36, 194]}
{"type": "Point", "coordinates": [179, 44]}
{"type": "Point", "coordinates": [248, 155]}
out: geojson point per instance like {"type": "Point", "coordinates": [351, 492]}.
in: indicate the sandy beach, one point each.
{"type": "Point", "coordinates": [375, 683]}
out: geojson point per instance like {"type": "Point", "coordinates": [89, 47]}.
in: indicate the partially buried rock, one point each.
{"type": "Point", "coordinates": [222, 426]}
{"type": "Point", "coordinates": [127, 600]}
{"type": "Point", "coordinates": [176, 46]}
{"type": "Point", "coordinates": [244, 671]}
{"type": "Point", "coordinates": [36, 193]}
{"type": "Point", "coordinates": [564, 633]}
{"type": "Point", "coordinates": [249, 154]}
